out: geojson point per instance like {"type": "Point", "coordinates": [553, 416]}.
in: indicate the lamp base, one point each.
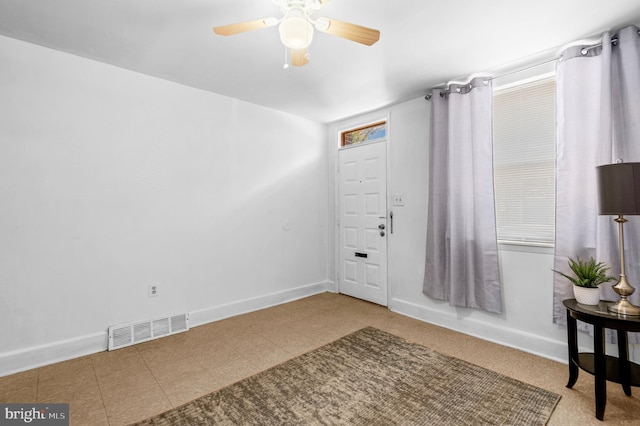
{"type": "Point", "coordinates": [624, 307]}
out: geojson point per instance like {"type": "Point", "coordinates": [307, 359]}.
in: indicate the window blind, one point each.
{"type": "Point", "coordinates": [524, 132]}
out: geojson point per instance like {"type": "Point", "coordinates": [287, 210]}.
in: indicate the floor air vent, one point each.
{"type": "Point", "coordinates": [122, 335]}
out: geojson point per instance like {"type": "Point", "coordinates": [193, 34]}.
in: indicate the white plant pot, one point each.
{"type": "Point", "coordinates": [587, 295]}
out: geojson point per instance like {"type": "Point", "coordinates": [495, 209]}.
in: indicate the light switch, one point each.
{"type": "Point", "coordinates": [398, 200]}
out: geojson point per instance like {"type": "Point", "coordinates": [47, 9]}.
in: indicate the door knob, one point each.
{"type": "Point", "coordinates": [382, 233]}
{"type": "Point", "coordinates": [381, 226]}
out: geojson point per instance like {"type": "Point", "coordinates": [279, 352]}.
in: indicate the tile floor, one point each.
{"type": "Point", "coordinates": [131, 384]}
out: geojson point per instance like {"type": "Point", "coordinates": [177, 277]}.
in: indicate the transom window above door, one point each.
{"type": "Point", "coordinates": [368, 133]}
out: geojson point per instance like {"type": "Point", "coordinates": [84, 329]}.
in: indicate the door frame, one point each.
{"type": "Point", "coordinates": [336, 193]}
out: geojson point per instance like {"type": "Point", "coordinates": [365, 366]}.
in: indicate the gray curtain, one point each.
{"type": "Point", "coordinates": [598, 123]}
{"type": "Point", "coordinates": [462, 249]}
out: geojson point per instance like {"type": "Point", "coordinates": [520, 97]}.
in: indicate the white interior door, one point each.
{"type": "Point", "coordinates": [362, 221]}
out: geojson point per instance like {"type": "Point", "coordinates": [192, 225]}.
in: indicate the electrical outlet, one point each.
{"type": "Point", "coordinates": [398, 200]}
{"type": "Point", "coordinates": [153, 290]}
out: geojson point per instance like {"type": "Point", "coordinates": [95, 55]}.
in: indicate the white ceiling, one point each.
{"type": "Point", "coordinates": [423, 43]}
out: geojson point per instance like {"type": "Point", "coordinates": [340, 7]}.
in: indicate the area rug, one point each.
{"type": "Point", "coordinates": [369, 377]}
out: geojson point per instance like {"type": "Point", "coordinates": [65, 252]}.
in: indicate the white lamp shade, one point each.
{"type": "Point", "coordinates": [296, 32]}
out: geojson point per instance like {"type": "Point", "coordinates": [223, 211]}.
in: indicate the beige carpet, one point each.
{"type": "Point", "coordinates": [369, 378]}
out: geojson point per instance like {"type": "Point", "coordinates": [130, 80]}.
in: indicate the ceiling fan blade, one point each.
{"type": "Point", "coordinates": [243, 27]}
{"type": "Point", "coordinates": [353, 32]}
{"type": "Point", "coordinates": [299, 57]}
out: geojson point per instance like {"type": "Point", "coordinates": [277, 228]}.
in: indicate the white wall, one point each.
{"type": "Point", "coordinates": [111, 180]}
{"type": "Point", "coordinates": [526, 275]}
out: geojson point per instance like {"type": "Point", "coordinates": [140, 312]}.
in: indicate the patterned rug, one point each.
{"type": "Point", "coordinates": [369, 377]}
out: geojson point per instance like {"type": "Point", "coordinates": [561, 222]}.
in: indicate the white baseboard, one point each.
{"type": "Point", "coordinates": [38, 356]}
{"type": "Point", "coordinates": [531, 343]}
{"type": "Point", "coordinates": [216, 313]}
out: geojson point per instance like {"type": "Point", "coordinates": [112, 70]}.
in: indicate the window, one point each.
{"type": "Point", "coordinates": [367, 133]}
{"type": "Point", "coordinates": [524, 132]}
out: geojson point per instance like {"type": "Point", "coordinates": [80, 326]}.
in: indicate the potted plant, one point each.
{"type": "Point", "coordinates": [588, 276]}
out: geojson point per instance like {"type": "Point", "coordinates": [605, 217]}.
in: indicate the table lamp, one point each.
{"type": "Point", "coordinates": [619, 195]}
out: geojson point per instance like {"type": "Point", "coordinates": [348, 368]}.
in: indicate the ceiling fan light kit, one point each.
{"type": "Point", "coordinates": [296, 32]}
{"type": "Point", "coordinates": [296, 28]}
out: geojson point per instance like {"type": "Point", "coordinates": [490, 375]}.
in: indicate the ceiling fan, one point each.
{"type": "Point", "coordinates": [296, 28]}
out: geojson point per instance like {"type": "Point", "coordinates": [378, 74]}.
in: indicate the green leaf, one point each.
{"type": "Point", "coordinates": [588, 273]}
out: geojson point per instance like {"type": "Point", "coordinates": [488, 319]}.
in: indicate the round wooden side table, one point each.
{"type": "Point", "coordinates": [604, 367]}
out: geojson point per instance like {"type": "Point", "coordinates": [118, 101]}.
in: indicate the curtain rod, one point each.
{"type": "Point", "coordinates": [539, 64]}
{"type": "Point", "coordinates": [583, 51]}
{"type": "Point", "coordinates": [614, 42]}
